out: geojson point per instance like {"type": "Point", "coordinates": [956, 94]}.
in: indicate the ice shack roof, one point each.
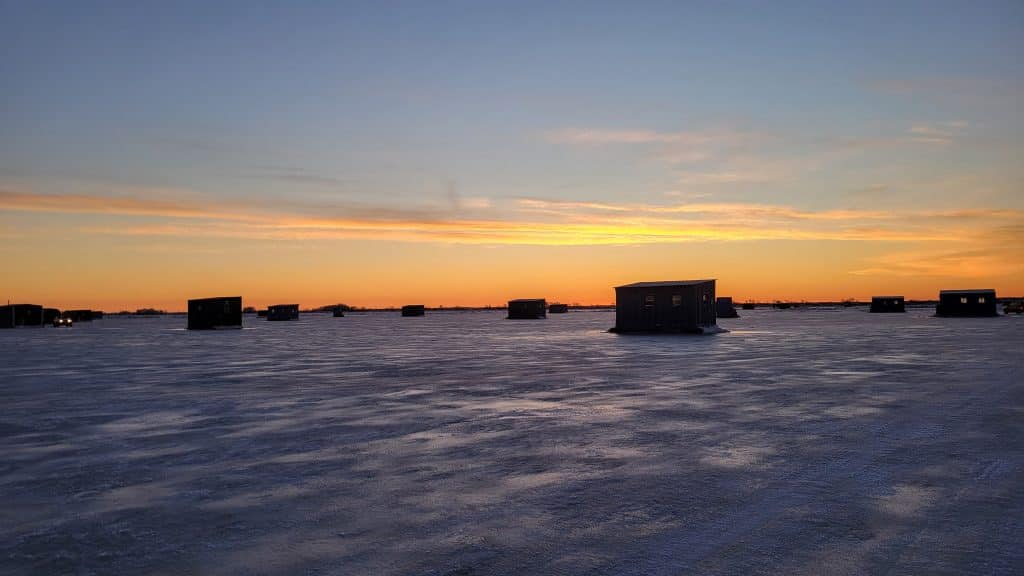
{"type": "Point", "coordinates": [527, 300]}
{"type": "Point", "coordinates": [974, 291]}
{"type": "Point", "coordinates": [665, 283]}
{"type": "Point", "coordinates": [887, 297]}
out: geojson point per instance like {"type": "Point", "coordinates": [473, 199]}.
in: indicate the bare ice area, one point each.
{"type": "Point", "coordinates": [801, 442]}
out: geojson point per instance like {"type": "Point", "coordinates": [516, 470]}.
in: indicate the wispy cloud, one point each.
{"type": "Point", "coordinates": [949, 86]}
{"type": "Point", "coordinates": [601, 137]}
{"type": "Point", "coordinates": [672, 147]}
{"type": "Point", "coordinates": [526, 221]}
{"type": "Point", "coordinates": [83, 203]}
{"type": "Point", "coordinates": [297, 175]}
{"type": "Point", "coordinates": [937, 133]}
{"type": "Point", "coordinates": [986, 262]}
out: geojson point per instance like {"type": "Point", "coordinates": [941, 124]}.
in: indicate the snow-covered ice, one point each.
{"type": "Point", "coordinates": [801, 442]}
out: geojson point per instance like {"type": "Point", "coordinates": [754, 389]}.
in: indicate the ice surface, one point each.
{"type": "Point", "coordinates": [801, 442]}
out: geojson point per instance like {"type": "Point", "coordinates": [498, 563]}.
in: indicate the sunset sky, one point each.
{"type": "Point", "coordinates": [465, 153]}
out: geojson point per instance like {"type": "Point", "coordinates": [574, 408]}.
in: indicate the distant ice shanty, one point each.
{"type": "Point", "coordinates": [14, 315]}
{"type": "Point", "coordinates": [527, 309]}
{"type": "Point", "coordinates": [215, 313]}
{"type": "Point", "coordinates": [685, 306]}
{"type": "Point", "coordinates": [724, 307]}
{"type": "Point", "coordinates": [279, 312]}
{"type": "Point", "coordinates": [888, 304]}
{"type": "Point", "coordinates": [413, 310]}
{"type": "Point", "coordinates": [50, 314]}
{"type": "Point", "coordinates": [558, 308]}
{"type": "Point", "coordinates": [80, 315]}
{"type": "Point", "coordinates": [338, 312]}
{"type": "Point", "coordinates": [967, 303]}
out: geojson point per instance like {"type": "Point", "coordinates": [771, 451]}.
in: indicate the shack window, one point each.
{"type": "Point", "coordinates": [963, 299]}
{"type": "Point", "coordinates": [677, 300]}
{"type": "Point", "coordinates": [981, 299]}
{"type": "Point", "coordinates": [649, 301]}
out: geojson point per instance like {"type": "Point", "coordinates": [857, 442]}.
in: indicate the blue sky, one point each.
{"type": "Point", "coordinates": [463, 109]}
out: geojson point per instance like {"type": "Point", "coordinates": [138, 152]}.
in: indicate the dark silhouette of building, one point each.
{"type": "Point", "coordinates": [558, 308]}
{"type": "Point", "coordinates": [413, 310]}
{"type": "Point", "coordinates": [887, 304]}
{"type": "Point", "coordinates": [80, 315]}
{"type": "Point", "coordinates": [280, 312]}
{"type": "Point", "coordinates": [967, 303]}
{"type": "Point", "coordinates": [213, 313]}
{"type": "Point", "coordinates": [748, 306]}
{"type": "Point", "coordinates": [724, 307]}
{"type": "Point", "coordinates": [338, 312]}
{"type": "Point", "coordinates": [686, 306]}
{"type": "Point", "coordinates": [50, 314]}
{"type": "Point", "coordinates": [527, 309]}
{"type": "Point", "coordinates": [14, 315]}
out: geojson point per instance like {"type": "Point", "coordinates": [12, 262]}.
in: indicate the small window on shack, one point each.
{"type": "Point", "coordinates": [963, 299]}
{"type": "Point", "coordinates": [677, 300]}
{"type": "Point", "coordinates": [981, 299]}
{"type": "Point", "coordinates": [649, 301]}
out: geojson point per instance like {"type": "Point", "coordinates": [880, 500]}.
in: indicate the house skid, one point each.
{"type": "Point", "coordinates": [527, 309]}
{"type": "Point", "coordinates": [215, 313]}
{"type": "Point", "coordinates": [280, 312]}
{"type": "Point", "coordinates": [558, 308]}
{"type": "Point", "coordinates": [725, 308]}
{"type": "Point", "coordinates": [881, 304]}
{"type": "Point", "coordinates": [967, 303]}
{"type": "Point", "coordinates": [413, 310]}
{"type": "Point", "coordinates": [14, 315]}
{"type": "Point", "coordinates": [683, 306]}
{"type": "Point", "coordinates": [81, 315]}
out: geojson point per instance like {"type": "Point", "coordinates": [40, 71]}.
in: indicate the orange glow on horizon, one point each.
{"type": "Point", "coordinates": [158, 253]}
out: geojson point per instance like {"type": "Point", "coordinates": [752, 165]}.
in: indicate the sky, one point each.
{"type": "Point", "coordinates": [467, 153]}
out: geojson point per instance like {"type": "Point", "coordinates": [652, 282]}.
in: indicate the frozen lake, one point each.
{"type": "Point", "coordinates": [802, 442]}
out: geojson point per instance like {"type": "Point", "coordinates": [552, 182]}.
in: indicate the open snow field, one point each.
{"type": "Point", "coordinates": [802, 442]}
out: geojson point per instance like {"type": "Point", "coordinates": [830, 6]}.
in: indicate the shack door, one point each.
{"type": "Point", "coordinates": [649, 311]}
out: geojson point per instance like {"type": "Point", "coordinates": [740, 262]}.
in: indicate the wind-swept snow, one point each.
{"type": "Point", "coordinates": [801, 442]}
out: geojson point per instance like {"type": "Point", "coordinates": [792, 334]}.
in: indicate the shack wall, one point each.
{"type": "Point", "coordinates": [527, 309]}
{"type": "Point", "coordinates": [13, 315]}
{"type": "Point", "coordinates": [680, 308]}
{"type": "Point", "coordinates": [283, 312]}
{"type": "Point", "coordinates": [413, 310]}
{"type": "Point", "coordinates": [977, 304]}
{"type": "Point", "coordinates": [210, 313]}
{"type": "Point", "coordinates": [880, 304]}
